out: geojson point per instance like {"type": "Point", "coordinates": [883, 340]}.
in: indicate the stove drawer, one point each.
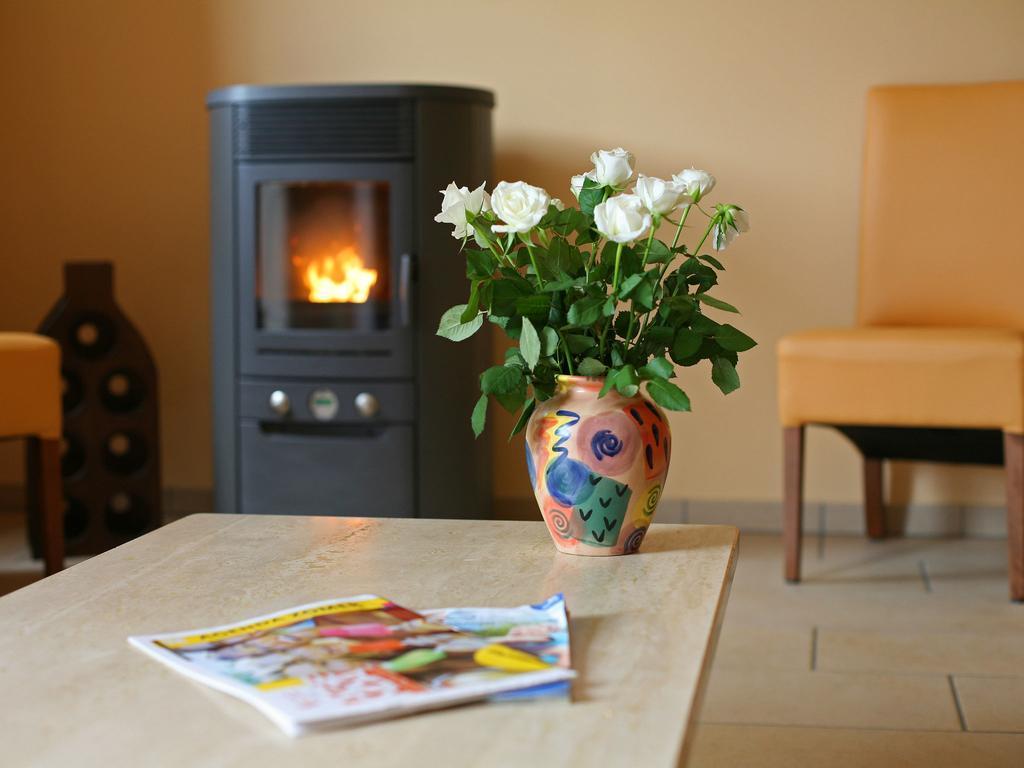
{"type": "Point", "coordinates": [329, 469]}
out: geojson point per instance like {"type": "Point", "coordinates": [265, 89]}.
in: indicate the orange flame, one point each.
{"type": "Point", "coordinates": [339, 278]}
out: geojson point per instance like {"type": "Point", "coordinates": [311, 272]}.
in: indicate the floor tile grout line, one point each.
{"type": "Point", "coordinates": [865, 672]}
{"type": "Point", "coordinates": [814, 649]}
{"type": "Point", "coordinates": [923, 569]}
{"type": "Point", "coordinates": [747, 724]}
{"type": "Point", "coordinates": [956, 702]}
{"type": "Point", "coordinates": [821, 531]}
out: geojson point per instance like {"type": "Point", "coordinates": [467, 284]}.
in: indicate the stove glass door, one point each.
{"type": "Point", "coordinates": [323, 255]}
{"type": "Point", "coordinates": [325, 269]}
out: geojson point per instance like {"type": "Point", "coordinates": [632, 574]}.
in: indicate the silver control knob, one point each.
{"type": "Point", "coordinates": [280, 403]}
{"type": "Point", "coordinates": [367, 404]}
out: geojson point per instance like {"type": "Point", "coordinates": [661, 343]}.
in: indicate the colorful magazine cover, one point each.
{"type": "Point", "coordinates": [365, 658]}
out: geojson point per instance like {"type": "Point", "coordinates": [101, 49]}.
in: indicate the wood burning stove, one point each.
{"type": "Point", "coordinates": [332, 394]}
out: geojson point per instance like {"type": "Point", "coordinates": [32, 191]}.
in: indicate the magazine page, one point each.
{"type": "Point", "coordinates": [541, 630]}
{"type": "Point", "coordinates": [361, 658]}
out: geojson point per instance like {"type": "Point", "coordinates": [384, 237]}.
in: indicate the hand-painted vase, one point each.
{"type": "Point", "coordinates": [597, 465]}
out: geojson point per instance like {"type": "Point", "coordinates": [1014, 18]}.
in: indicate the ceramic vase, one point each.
{"type": "Point", "coordinates": [597, 466]}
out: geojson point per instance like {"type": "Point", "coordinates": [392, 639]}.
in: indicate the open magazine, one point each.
{"type": "Point", "coordinates": [365, 658]}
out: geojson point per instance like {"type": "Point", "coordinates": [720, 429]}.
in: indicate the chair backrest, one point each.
{"type": "Point", "coordinates": [942, 206]}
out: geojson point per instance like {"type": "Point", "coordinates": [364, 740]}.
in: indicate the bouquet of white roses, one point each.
{"type": "Point", "coordinates": [592, 291]}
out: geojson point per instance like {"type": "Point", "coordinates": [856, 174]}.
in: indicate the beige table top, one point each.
{"type": "Point", "coordinates": [643, 629]}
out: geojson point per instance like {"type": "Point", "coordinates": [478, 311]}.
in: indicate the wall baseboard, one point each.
{"type": "Point", "coordinates": [825, 518]}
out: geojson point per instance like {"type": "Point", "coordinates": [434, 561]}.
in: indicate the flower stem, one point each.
{"type": "Point", "coordinates": [536, 269]}
{"type": "Point", "coordinates": [696, 250]}
{"type": "Point", "coordinates": [568, 355]}
{"type": "Point", "coordinates": [650, 239]}
{"type": "Point", "coordinates": [675, 242]}
{"type": "Point", "coordinates": [615, 279]}
{"type": "Point", "coordinates": [679, 229]}
{"type": "Point", "coordinates": [615, 289]}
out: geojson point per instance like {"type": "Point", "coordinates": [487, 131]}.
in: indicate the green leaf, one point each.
{"type": "Point", "coordinates": [630, 261]}
{"type": "Point", "coordinates": [609, 307]}
{"type": "Point", "coordinates": [578, 343]}
{"type": "Point", "coordinates": [479, 417]}
{"type": "Point", "coordinates": [660, 335]}
{"type": "Point", "coordinates": [657, 368]}
{"type": "Point", "coordinates": [529, 344]}
{"type": "Point", "coordinates": [590, 196]}
{"type": "Point", "coordinates": [681, 307]}
{"type": "Point", "coordinates": [627, 382]}
{"type": "Point", "coordinates": [685, 344]}
{"type": "Point", "coordinates": [588, 366]}
{"type": "Point", "coordinates": [473, 307]}
{"type": "Point", "coordinates": [561, 283]}
{"type": "Point", "coordinates": [659, 253]}
{"type": "Point", "coordinates": [723, 373]}
{"type": "Point", "coordinates": [514, 357]}
{"type": "Point", "coordinates": [479, 264]}
{"type": "Point", "coordinates": [452, 328]}
{"type": "Point", "coordinates": [534, 307]}
{"type": "Point", "coordinates": [548, 341]}
{"type": "Point", "coordinates": [565, 257]}
{"type": "Point", "coordinates": [668, 395]}
{"type": "Point", "coordinates": [513, 401]}
{"type": "Point", "coordinates": [500, 380]}
{"type": "Point", "coordinates": [643, 296]}
{"type": "Point", "coordinates": [733, 339]}
{"type": "Point", "coordinates": [524, 417]}
{"type": "Point", "coordinates": [629, 284]}
{"type": "Point", "coordinates": [704, 325]}
{"type": "Point", "coordinates": [713, 262]}
{"type": "Point", "coordinates": [711, 301]}
{"type": "Point", "coordinates": [586, 311]}
{"type": "Point", "coordinates": [609, 382]}
{"type": "Point", "coordinates": [505, 293]}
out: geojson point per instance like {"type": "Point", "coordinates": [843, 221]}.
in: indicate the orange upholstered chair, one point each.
{"type": "Point", "coordinates": [934, 368]}
{"type": "Point", "coordinates": [30, 406]}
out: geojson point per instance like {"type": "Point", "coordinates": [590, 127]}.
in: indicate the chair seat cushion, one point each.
{"type": "Point", "coordinates": [30, 386]}
{"type": "Point", "coordinates": [899, 376]}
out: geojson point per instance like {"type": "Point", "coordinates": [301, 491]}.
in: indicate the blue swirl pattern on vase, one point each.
{"type": "Point", "coordinates": [605, 443]}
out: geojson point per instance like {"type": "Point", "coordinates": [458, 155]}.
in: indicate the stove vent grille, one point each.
{"type": "Point", "coordinates": [369, 128]}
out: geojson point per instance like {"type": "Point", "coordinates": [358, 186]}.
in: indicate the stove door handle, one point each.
{"type": "Point", "coordinates": [404, 289]}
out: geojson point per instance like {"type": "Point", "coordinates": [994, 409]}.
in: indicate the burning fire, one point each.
{"type": "Point", "coordinates": [339, 278]}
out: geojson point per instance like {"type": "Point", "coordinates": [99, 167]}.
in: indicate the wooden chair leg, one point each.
{"type": "Point", "coordinates": [1013, 457]}
{"type": "Point", "coordinates": [50, 494]}
{"type": "Point", "coordinates": [874, 499]}
{"type": "Point", "coordinates": [792, 498]}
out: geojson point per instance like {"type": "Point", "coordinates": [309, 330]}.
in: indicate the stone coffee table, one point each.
{"type": "Point", "coordinates": [643, 631]}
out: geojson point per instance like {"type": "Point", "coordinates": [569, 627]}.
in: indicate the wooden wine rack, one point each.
{"type": "Point", "coordinates": [110, 455]}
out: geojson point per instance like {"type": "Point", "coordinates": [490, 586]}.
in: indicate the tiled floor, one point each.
{"type": "Point", "coordinates": [904, 652]}
{"type": "Point", "coordinates": [897, 653]}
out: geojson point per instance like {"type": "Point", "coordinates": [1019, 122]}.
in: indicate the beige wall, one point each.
{"type": "Point", "coordinates": [105, 156]}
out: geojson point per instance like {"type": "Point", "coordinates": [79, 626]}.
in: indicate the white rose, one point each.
{"type": "Point", "coordinates": [622, 219]}
{"type": "Point", "coordinates": [733, 222]}
{"type": "Point", "coordinates": [457, 200]}
{"type": "Point", "coordinates": [576, 183]}
{"type": "Point", "coordinates": [612, 167]}
{"type": "Point", "coordinates": [660, 197]}
{"type": "Point", "coordinates": [559, 205]}
{"type": "Point", "coordinates": [696, 183]}
{"type": "Point", "coordinates": [518, 204]}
